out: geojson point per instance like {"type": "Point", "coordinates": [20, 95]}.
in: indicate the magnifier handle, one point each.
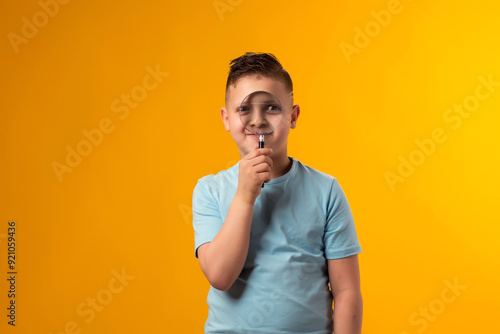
{"type": "Point", "coordinates": [261, 145]}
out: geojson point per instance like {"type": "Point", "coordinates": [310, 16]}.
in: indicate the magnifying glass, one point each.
{"type": "Point", "coordinates": [261, 113]}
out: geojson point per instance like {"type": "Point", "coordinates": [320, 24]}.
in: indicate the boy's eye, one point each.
{"type": "Point", "coordinates": [242, 109]}
{"type": "Point", "coordinates": [273, 108]}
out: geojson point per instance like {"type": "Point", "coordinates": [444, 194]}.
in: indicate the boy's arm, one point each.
{"type": "Point", "coordinates": [222, 259]}
{"type": "Point", "coordinates": [346, 292]}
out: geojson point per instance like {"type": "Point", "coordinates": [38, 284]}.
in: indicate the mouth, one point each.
{"type": "Point", "coordinates": [258, 135]}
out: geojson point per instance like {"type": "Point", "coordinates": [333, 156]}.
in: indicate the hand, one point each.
{"type": "Point", "coordinates": [255, 168]}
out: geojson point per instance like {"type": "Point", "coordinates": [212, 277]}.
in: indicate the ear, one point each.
{"type": "Point", "coordinates": [225, 120]}
{"type": "Point", "coordinates": [294, 116]}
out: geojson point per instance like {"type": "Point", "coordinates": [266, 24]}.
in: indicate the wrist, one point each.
{"type": "Point", "coordinates": [244, 198]}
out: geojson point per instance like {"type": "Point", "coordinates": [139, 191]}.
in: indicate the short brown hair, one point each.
{"type": "Point", "coordinates": [258, 63]}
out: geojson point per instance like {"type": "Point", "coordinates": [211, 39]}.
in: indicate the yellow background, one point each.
{"type": "Point", "coordinates": [126, 206]}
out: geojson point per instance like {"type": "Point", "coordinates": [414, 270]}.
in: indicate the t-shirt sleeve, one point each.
{"type": "Point", "coordinates": [207, 220]}
{"type": "Point", "coordinates": [340, 236]}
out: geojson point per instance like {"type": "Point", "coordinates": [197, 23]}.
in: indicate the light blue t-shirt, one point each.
{"type": "Point", "coordinates": [300, 219]}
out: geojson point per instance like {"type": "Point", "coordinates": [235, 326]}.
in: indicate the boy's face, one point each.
{"type": "Point", "coordinates": [245, 140]}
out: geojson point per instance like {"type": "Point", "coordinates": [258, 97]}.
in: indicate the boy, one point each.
{"type": "Point", "coordinates": [270, 253]}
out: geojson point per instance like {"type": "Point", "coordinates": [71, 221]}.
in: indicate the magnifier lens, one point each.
{"type": "Point", "coordinates": [261, 112]}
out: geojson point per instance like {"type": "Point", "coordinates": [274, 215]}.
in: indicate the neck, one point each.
{"type": "Point", "coordinates": [281, 165]}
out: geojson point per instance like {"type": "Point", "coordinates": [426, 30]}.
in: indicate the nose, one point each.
{"type": "Point", "coordinates": [258, 119]}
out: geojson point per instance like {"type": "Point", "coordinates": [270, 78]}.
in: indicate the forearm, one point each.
{"type": "Point", "coordinates": [348, 313]}
{"type": "Point", "coordinates": [224, 257]}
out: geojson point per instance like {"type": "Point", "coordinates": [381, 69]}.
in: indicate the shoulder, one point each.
{"type": "Point", "coordinates": [216, 191]}
{"type": "Point", "coordinates": [214, 183]}
{"type": "Point", "coordinates": [319, 183]}
{"type": "Point", "coordinates": [314, 175]}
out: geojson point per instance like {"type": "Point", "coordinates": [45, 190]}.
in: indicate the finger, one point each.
{"type": "Point", "coordinates": [264, 177]}
{"type": "Point", "coordinates": [269, 161]}
{"type": "Point", "coordinates": [261, 168]}
{"type": "Point", "coordinates": [261, 159]}
{"type": "Point", "coordinates": [259, 152]}
{"type": "Point", "coordinates": [266, 151]}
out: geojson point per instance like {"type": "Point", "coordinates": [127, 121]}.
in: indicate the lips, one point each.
{"type": "Point", "coordinates": [256, 135]}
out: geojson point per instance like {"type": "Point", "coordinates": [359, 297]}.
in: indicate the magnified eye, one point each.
{"type": "Point", "coordinates": [272, 108]}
